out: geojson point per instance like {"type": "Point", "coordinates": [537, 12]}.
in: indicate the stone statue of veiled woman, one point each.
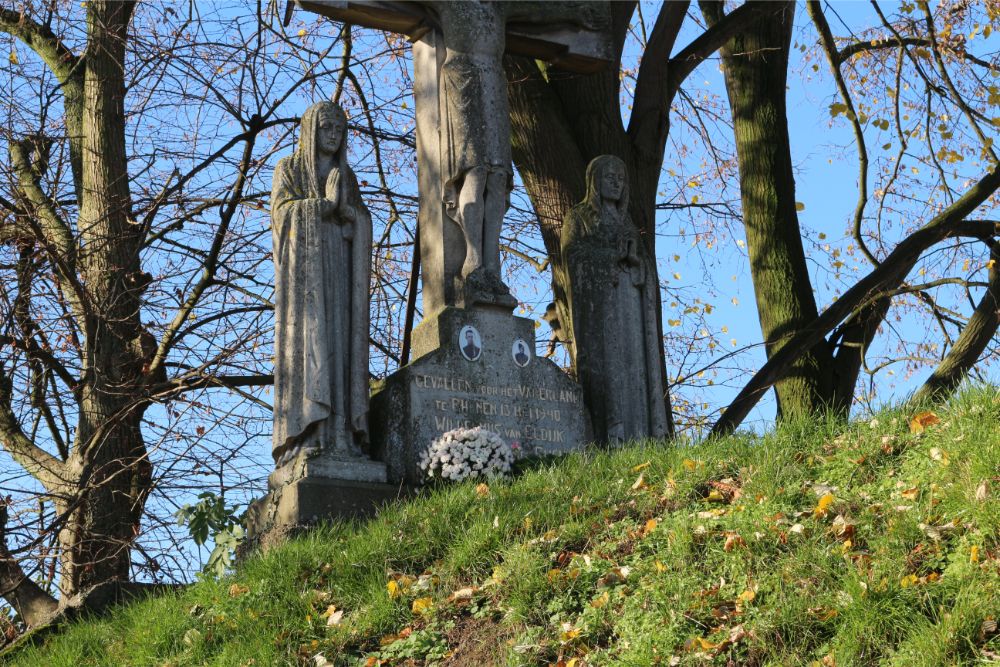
{"type": "Point", "coordinates": [322, 253]}
{"type": "Point", "coordinates": [613, 307]}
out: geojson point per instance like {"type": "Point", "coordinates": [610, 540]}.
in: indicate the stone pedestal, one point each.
{"type": "Point", "coordinates": [527, 400]}
{"type": "Point", "coordinates": [309, 489]}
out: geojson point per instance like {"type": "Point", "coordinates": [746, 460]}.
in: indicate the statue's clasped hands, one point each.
{"type": "Point", "coordinates": [335, 209]}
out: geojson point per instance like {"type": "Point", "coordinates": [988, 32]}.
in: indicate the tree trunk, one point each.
{"type": "Point", "coordinates": [109, 474]}
{"type": "Point", "coordinates": [977, 334]}
{"type": "Point", "coordinates": [756, 63]}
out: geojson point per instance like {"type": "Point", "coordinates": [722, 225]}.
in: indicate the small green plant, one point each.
{"type": "Point", "coordinates": [428, 646]}
{"type": "Point", "coordinates": [211, 517]}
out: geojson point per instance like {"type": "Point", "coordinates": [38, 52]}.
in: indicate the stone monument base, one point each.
{"type": "Point", "coordinates": [475, 367]}
{"type": "Point", "coordinates": [309, 489]}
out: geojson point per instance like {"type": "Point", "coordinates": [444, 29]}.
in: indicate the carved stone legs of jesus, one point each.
{"type": "Point", "coordinates": [482, 203]}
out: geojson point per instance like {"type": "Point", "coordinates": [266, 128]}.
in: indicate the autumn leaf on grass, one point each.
{"type": "Point", "coordinates": [398, 584]}
{"type": "Point", "coordinates": [333, 615]}
{"type": "Point", "coordinates": [822, 613]}
{"type": "Point", "coordinates": [699, 644]}
{"type": "Point", "coordinates": [569, 633]}
{"type": "Point", "coordinates": [649, 527]}
{"type": "Point", "coordinates": [601, 600]}
{"type": "Point", "coordinates": [843, 528]}
{"type": "Point", "coordinates": [641, 467]}
{"type": "Point", "coordinates": [614, 576]}
{"type": "Point", "coordinates": [237, 590]}
{"type": "Point", "coordinates": [715, 496]}
{"type": "Point", "coordinates": [922, 420]}
{"type": "Point", "coordinates": [640, 483]}
{"type": "Point", "coordinates": [692, 465]}
{"type": "Point", "coordinates": [982, 491]}
{"type": "Point", "coordinates": [940, 456]}
{"type": "Point", "coordinates": [482, 490]}
{"type": "Point", "coordinates": [463, 594]}
{"type": "Point", "coordinates": [823, 504]}
{"type": "Point", "coordinates": [733, 540]}
{"type": "Point", "coordinates": [422, 605]}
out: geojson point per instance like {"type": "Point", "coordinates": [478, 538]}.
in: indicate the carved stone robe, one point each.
{"type": "Point", "coordinates": [614, 317]}
{"type": "Point", "coordinates": [322, 276]}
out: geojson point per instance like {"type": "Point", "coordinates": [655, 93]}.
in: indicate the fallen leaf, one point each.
{"type": "Point", "coordinates": [733, 540]}
{"type": "Point", "coordinates": [747, 596]}
{"type": "Point", "coordinates": [335, 618]}
{"type": "Point", "coordinates": [823, 505]}
{"type": "Point", "coordinates": [911, 494]}
{"type": "Point", "coordinates": [691, 465]}
{"type": "Point", "coordinates": [422, 605]}
{"type": "Point", "coordinates": [237, 590]}
{"type": "Point", "coordinates": [640, 483]}
{"type": "Point", "coordinates": [909, 580]}
{"type": "Point", "coordinates": [974, 554]}
{"type": "Point", "coordinates": [649, 527]}
{"type": "Point", "coordinates": [614, 576]}
{"type": "Point", "coordinates": [843, 528]}
{"type": "Point", "coordinates": [463, 594]}
{"type": "Point", "coordinates": [922, 420]}
{"type": "Point", "coordinates": [696, 643]}
{"type": "Point", "coordinates": [482, 490]}
{"type": "Point", "coordinates": [939, 455]}
{"type": "Point", "coordinates": [641, 467]}
{"type": "Point", "coordinates": [569, 633]}
{"type": "Point", "coordinates": [601, 600]}
{"type": "Point", "coordinates": [982, 491]}
{"type": "Point", "coordinates": [660, 567]}
{"type": "Point", "coordinates": [823, 613]}
{"type": "Point", "coordinates": [319, 660]}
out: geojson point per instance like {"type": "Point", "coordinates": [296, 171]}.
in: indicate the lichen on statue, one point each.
{"type": "Point", "coordinates": [613, 307]}
{"type": "Point", "coordinates": [322, 238]}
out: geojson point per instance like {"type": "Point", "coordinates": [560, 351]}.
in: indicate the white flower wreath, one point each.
{"type": "Point", "coordinates": [464, 453]}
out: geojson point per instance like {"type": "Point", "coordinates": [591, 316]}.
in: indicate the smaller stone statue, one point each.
{"type": "Point", "coordinates": [613, 305]}
{"type": "Point", "coordinates": [322, 236]}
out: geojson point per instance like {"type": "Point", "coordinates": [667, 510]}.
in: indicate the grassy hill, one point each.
{"type": "Point", "coordinates": [872, 544]}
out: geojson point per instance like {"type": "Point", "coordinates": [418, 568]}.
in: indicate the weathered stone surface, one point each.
{"type": "Point", "coordinates": [463, 127]}
{"type": "Point", "coordinates": [536, 405]}
{"type": "Point", "coordinates": [301, 503]}
{"type": "Point", "coordinates": [322, 255]}
{"type": "Point", "coordinates": [327, 465]}
{"type": "Point", "coordinates": [613, 304]}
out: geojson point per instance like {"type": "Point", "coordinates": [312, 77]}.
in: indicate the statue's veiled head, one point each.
{"type": "Point", "coordinates": [323, 133]}
{"type": "Point", "coordinates": [607, 181]}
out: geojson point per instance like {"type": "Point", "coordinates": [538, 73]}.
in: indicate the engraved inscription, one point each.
{"type": "Point", "coordinates": [518, 413]}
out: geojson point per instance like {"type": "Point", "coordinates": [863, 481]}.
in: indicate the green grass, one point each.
{"type": "Point", "coordinates": [816, 544]}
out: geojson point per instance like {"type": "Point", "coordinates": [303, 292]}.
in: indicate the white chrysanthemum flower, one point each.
{"type": "Point", "coordinates": [464, 453]}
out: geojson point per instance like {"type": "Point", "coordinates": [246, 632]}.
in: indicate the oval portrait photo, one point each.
{"type": "Point", "coordinates": [521, 352]}
{"type": "Point", "coordinates": [470, 343]}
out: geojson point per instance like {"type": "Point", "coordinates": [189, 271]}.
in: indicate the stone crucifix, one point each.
{"type": "Point", "coordinates": [463, 121]}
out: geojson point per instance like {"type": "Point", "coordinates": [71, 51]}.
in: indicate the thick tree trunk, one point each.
{"type": "Point", "coordinates": [108, 471]}
{"type": "Point", "coordinates": [756, 63]}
